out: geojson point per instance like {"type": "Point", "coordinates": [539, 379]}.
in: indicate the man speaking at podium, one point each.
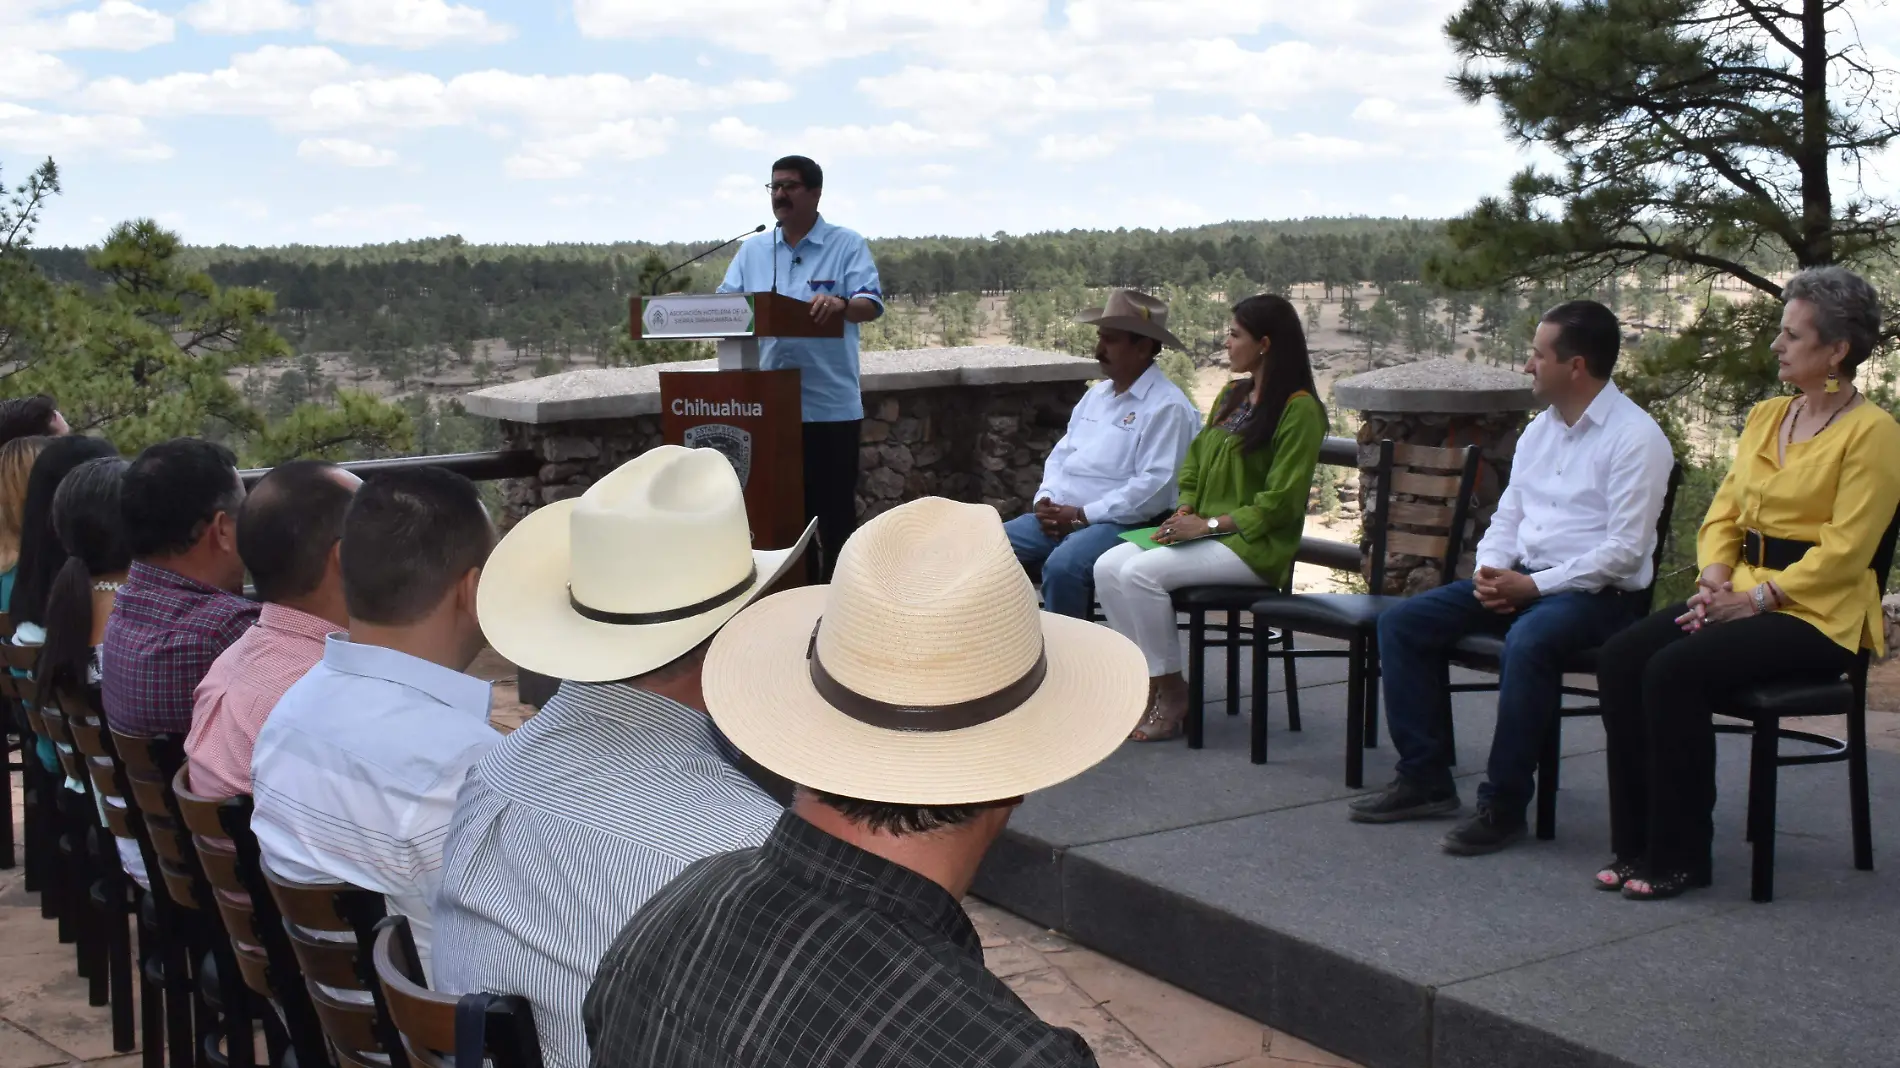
{"type": "Point", "coordinates": [829, 266]}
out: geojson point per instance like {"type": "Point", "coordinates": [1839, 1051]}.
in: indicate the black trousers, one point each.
{"type": "Point", "coordinates": [1659, 689]}
{"type": "Point", "coordinates": [831, 488]}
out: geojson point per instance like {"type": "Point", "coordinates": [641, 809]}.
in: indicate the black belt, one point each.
{"type": "Point", "coordinates": [1775, 554]}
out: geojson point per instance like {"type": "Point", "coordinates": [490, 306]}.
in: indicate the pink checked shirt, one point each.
{"type": "Point", "coordinates": [240, 690]}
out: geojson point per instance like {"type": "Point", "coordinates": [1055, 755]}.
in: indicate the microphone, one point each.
{"type": "Point", "coordinates": [655, 290]}
{"type": "Point", "coordinates": [775, 229]}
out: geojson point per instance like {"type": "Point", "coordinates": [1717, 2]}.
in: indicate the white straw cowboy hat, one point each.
{"type": "Point", "coordinates": [1135, 312]}
{"type": "Point", "coordinates": [924, 674]}
{"type": "Point", "coordinates": [632, 574]}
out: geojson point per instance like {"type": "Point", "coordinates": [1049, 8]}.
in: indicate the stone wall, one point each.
{"type": "Point", "coordinates": [967, 443]}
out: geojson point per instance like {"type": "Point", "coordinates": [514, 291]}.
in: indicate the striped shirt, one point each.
{"type": "Point", "coordinates": [239, 691]}
{"type": "Point", "coordinates": [356, 770]}
{"type": "Point", "coordinates": [810, 951]}
{"type": "Point", "coordinates": [564, 830]}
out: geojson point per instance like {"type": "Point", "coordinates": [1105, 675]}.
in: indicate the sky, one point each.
{"type": "Point", "coordinates": [264, 122]}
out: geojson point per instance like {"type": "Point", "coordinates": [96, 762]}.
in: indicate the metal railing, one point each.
{"type": "Point", "coordinates": [476, 466]}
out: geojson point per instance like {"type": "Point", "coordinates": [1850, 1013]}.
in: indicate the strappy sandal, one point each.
{"type": "Point", "coordinates": [1674, 884]}
{"type": "Point", "coordinates": [1158, 726]}
{"type": "Point", "coordinates": [1616, 873]}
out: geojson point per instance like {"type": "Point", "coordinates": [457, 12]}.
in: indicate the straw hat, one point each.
{"type": "Point", "coordinates": [1135, 312]}
{"type": "Point", "coordinates": [632, 574]}
{"type": "Point", "coordinates": [924, 674]}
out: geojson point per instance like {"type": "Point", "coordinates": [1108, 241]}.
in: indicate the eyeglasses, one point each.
{"type": "Point", "coordinates": [784, 187]}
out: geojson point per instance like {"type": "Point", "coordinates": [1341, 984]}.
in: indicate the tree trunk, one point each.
{"type": "Point", "coordinates": [1817, 202]}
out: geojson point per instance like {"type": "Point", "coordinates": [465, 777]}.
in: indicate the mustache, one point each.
{"type": "Point", "coordinates": [781, 202]}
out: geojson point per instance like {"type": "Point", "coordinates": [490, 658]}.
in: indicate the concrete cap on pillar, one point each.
{"type": "Point", "coordinates": [1450, 387]}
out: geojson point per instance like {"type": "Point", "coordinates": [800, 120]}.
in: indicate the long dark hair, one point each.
{"type": "Point", "coordinates": [1272, 319]}
{"type": "Point", "coordinates": [41, 555]}
{"type": "Point", "coordinates": [86, 515]}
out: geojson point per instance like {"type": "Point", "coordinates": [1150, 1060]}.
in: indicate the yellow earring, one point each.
{"type": "Point", "coordinates": [1833, 382]}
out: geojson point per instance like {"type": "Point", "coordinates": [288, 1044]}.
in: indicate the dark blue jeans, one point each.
{"type": "Point", "coordinates": [1068, 563]}
{"type": "Point", "coordinates": [1414, 638]}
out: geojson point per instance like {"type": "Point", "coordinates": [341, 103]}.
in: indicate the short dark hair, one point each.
{"type": "Point", "coordinates": [173, 491]}
{"type": "Point", "coordinates": [408, 538]}
{"type": "Point", "coordinates": [291, 520]}
{"type": "Point", "coordinates": [809, 172]}
{"type": "Point", "coordinates": [1590, 330]}
{"type": "Point", "coordinates": [26, 416]}
{"type": "Point", "coordinates": [900, 820]}
{"type": "Point", "coordinates": [41, 554]}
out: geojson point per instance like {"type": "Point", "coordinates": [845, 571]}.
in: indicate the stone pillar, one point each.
{"type": "Point", "coordinates": [1443, 404]}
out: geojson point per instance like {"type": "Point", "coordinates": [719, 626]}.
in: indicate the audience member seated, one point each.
{"type": "Point", "coordinates": [31, 417]}
{"type": "Point", "coordinates": [289, 531]}
{"type": "Point", "coordinates": [572, 822]}
{"type": "Point", "coordinates": [1113, 471]}
{"type": "Point", "coordinates": [923, 677]}
{"type": "Point", "coordinates": [1243, 493]}
{"type": "Point", "coordinates": [1574, 535]}
{"type": "Point", "coordinates": [16, 466]}
{"type": "Point", "coordinates": [41, 554]}
{"type": "Point", "coordinates": [180, 605]}
{"type": "Point", "coordinates": [355, 771]}
{"type": "Point", "coordinates": [86, 514]}
{"type": "Point", "coordinates": [1786, 594]}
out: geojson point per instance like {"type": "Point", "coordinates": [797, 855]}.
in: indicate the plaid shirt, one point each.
{"type": "Point", "coordinates": [810, 951]}
{"type": "Point", "coordinates": [163, 634]}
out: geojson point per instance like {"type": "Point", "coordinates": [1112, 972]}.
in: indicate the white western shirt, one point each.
{"type": "Point", "coordinates": [1121, 457]}
{"type": "Point", "coordinates": [355, 773]}
{"type": "Point", "coordinates": [1580, 512]}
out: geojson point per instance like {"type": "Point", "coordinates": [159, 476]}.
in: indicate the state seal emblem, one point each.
{"type": "Point", "coordinates": [734, 443]}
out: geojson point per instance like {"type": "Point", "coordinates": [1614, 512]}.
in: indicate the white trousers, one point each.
{"type": "Point", "coordinates": [1134, 586]}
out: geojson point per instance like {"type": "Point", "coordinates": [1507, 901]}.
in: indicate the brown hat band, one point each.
{"type": "Point", "coordinates": [670, 615]}
{"type": "Point", "coordinates": [931, 718]}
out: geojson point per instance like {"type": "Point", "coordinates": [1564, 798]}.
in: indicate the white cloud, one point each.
{"type": "Point", "coordinates": [367, 219]}
{"type": "Point", "coordinates": [893, 139]}
{"type": "Point", "coordinates": [581, 200]}
{"type": "Point", "coordinates": [47, 133]}
{"type": "Point", "coordinates": [27, 75]}
{"type": "Point", "coordinates": [1076, 148]}
{"type": "Point", "coordinates": [410, 24]}
{"type": "Point", "coordinates": [568, 157]}
{"type": "Point", "coordinates": [922, 194]}
{"type": "Point", "coordinates": [801, 34]}
{"type": "Point", "coordinates": [1248, 137]}
{"type": "Point", "coordinates": [733, 132]}
{"type": "Point", "coordinates": [113, 26]}
{"type": "Point", "coordinates": [237, 17]}
{"type": "Point", "coordinates": [342, 151]}
{"type": "Point", "coordinates": [274, 80]}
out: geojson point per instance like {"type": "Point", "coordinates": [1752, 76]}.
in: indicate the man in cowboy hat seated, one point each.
{"type": "Point", "coordinates": [915, 700]}
{"type": "Point", "coordinates": [1114, 470]}
{"type": "Point", "coordinates": [569, 825]}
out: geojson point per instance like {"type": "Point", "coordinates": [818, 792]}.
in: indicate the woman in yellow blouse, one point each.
{"type": "Point", "coordinates": [1786, 592]}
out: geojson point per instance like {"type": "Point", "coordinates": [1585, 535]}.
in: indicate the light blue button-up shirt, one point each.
{"type": "Point", "coordinates": [831, 260]}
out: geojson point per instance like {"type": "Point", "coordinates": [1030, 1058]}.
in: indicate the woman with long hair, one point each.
{"type": "Point", "coordinates": [86, 517]}
{"type": "Point", "coordinates": [41, 555]}
{"type": "Point", "coordinates": [1244, 488]}
{"type": "Point", "coordinates": [16, 465]}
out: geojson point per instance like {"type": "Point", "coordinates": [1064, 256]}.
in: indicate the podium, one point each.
{"type": "Point", "coordinates": [753, 416]}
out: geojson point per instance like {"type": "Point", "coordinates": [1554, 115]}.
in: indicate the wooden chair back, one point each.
{"type": "Point", "coordinates": [24, 658]}
{"type": "Point", "coordinates": [218, 858]}
{"type": "Point", "coordinates": [55, 716]}
{"type": "Point", "coordinates": [426, 1019]}
{"type": "Point", "coordinates": [149, 765]}
{"type": "Point", "coordinates": [106, 773]}
{"type": "Point", "coordinates": [1420, 506]}
{"type": "Point", "coordinates": [331, 929]}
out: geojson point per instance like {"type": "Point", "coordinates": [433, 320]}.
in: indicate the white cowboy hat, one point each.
{"type": "Point", "coordinates": [632, 574]}
{"type": "Point", "coordinates": [1133, 311]}
{"type": "Point", "coordinates": [924, 674]}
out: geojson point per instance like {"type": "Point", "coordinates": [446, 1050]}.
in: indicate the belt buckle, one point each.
{"type": "Point", "coordinates": [1761, 548]}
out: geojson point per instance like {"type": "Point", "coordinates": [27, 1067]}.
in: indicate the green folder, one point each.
{"type": "Point", "coordinates": [1145, 538]}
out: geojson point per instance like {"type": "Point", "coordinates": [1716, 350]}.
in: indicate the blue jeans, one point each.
{"type": "Point", "coordinates": [1068, 564]}
{"type": "Point", "coordinates": [1414, 637]}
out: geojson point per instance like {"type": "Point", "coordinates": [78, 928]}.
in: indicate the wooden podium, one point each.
{"type": "Point", "coordinates": [750, 415]}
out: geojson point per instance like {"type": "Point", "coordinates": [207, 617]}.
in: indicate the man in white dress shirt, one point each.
{"type": "Point", "coordinates": [356, 769]}
{"type": "Point", "coordinates": [1574, 536]}
{"type": "Point", "coordinates": [1115, 469]}
{"type": "Point", "coordinates": [569, 825]}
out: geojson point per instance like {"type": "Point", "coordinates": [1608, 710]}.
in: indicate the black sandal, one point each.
{"type": "Point", "coordinates": [1613, 875]}
{"type": "Point", "coordinates": [1674, 884]}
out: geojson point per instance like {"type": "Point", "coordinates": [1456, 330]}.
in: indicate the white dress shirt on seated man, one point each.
{"type": "Point", "coordinates": [565, 829]}
{"type": "Point", "coordinates": [1580, 512]}
{"type": "Point", "coordinates": [356, 770]}
{"type": "Point", "coordinates": [1120, 456]}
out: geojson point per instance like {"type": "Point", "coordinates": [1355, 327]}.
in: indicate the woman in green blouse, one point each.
{"type": "Point", "coordinates": [1243, 499]}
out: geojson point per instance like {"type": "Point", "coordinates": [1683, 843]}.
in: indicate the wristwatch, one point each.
{"type": "Point", "coordinates": [1213, 524]}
